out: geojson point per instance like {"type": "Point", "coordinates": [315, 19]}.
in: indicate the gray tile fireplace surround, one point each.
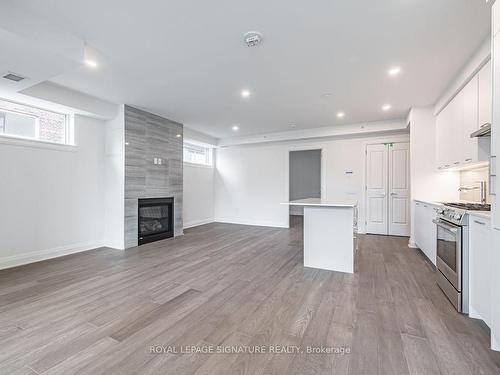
{"type": "Point", "coordinates": [147, 137]}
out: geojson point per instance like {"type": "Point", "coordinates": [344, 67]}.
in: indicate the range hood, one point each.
{"type": "Point", "coordinates": [483, 131]}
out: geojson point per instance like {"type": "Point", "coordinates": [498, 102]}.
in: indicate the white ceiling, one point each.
{"type": "Point", "coordinates": [186, 60]}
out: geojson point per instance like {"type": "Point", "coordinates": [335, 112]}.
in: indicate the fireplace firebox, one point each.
{"type": "Point", "coordinates": [155, 219]}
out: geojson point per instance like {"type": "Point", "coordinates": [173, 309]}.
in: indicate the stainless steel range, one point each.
{"type": "Point", "coordinates": [453, 251]}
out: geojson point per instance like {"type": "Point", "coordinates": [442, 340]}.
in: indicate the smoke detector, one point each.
{"type": "Point", "coordinates": [13, 77]}
{"type": "Point", "coordinates": [252, 38]}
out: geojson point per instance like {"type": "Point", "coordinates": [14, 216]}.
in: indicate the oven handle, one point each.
{"type": "Point", "coordinates": [442, 224]}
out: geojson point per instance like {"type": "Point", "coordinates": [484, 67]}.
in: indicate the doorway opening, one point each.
{"type": "Point", "coordinates": [387, 189]}
{"type": "Point", "coordinates": [304, 177]}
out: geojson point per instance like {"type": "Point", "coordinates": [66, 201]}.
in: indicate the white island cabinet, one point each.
{"type": "Point", "coordinates": [329, 233]}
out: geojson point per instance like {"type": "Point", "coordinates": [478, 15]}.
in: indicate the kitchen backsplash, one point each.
{"type": "Point", "coordinates": [471, 178]}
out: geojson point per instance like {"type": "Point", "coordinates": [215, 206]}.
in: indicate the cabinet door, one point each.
{"type": "Point", "coordinates": [495, 293]}
{"type": "Point", "coordinates": [454, 128]}
{"type": "Point", "coordinates": [470, 121]}
{"type": "Point", "coordinates": [449, 130]}
{"type": "Point", "coordinates": [485, 95]}
{"type": "Point", "coordinates": [430, 233]}
{"type": "Point", "coordinates": [495, 133]}
{"type": "Point", "coordinates": [419, 223]}
{"type": "Point", "coordinates": [479, 269]}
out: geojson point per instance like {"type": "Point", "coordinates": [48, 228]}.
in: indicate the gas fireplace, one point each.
{"type": "Point", "coordinates": [155, 219]}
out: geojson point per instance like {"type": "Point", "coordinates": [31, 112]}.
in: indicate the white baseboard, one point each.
{"type": "Point", "coordinates": [474, 314]}
{"type": "Point", "coordinates": [195, 223]}
{"type": "Point", "coordinates": [495, 344]}
{"type": "Point", "coordinates": [412, 244]}
{"type": "Point", "coordinates": [251, 222]}
{"type": "Point", "coordinates": [37, 256]}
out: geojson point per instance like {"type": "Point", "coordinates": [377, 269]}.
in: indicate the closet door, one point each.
{"type": "Point", "coordinates": [376, 189]}
{"type": "Point", "coordinates": [399, 189]}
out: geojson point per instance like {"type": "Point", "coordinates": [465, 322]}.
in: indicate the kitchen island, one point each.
{"type": "Point", "coordinates": [329, 233]}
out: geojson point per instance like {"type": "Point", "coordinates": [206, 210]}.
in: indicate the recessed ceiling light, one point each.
{"type": "Point", "coordinates": [178, 135]}
{"type": "Point", "coordinates": [235, 128]}
{"type": "Point", "coordinates": [245, 93]}
{"type": "Point", "coordinates": [326, 95]}
{"type": "Point", "coordinates": [386, 107]}
{"type": "Point", "coordinates": [90, 56]}
{"type": "Point", "coordinates": [91, 63]}
{"type": "Point", "coordinates": [340, 115]}
{"type": "Point", "coordinates": [394, 71]}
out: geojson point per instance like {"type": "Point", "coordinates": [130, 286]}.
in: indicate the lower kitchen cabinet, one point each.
{"type": "Point", "coordinates": [480, 248]}
{"type": "Point", "coordinates": [425, 229]}
{"type": "Point", "coordinates": [495, 290]}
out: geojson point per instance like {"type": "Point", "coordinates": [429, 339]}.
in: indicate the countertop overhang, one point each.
{"type": "Point", "coordinates": [322, 203]}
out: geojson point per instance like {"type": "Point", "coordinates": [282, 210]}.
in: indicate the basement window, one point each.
{"type": "Point", "coordinates": [27, 122]}
{"type": "Point", "coordinates": [197, 154]}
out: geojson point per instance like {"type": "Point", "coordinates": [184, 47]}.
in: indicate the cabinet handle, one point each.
{"type": "Point", "coordinates": [469, 159]}
{"type": "Point", "coordinates": [479, 222]}
{"type": "Point", "coordinates": [456, 163]}
{"type": "Point", "coordinates": [447, 166]}
{"type": "Point", "coordinates": [493, 172]}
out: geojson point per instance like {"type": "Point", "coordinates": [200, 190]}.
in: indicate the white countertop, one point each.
{"type": "Point", "coordinates": [437, 204]}
{"type": "Point", "coordinates": [482, 214]}
{"type": "Point", "coordinates": [322, 203]}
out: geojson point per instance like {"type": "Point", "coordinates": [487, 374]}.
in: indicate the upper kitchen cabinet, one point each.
{"type": "Point", "coordinates": [470, 100]}
{"type": "Point", "coordinates": [449, 125]}
{"type": "Point", "coordinates": [466, 112]}
{"type": "Point", "coordinates": [443, 130]}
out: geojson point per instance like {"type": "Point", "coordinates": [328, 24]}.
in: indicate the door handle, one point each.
{"type": "Point", "coordinates": [393, 194]}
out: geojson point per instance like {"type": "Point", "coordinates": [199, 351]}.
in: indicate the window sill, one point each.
{"type": "Point", "coordinates": [25, 142]}
{"type": "Point", "coordinates": [198, 165]}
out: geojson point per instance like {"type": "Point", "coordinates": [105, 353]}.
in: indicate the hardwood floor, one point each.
{"type": "Point", "coordinates": [100, 312]}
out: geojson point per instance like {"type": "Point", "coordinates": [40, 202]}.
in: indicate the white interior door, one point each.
{"type": "Point", "coordinates": [399, 189]}
{"type": "Point", "coordinates": [376, 189]}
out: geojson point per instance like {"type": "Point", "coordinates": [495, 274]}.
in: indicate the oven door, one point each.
{"type": "Point", "coordinates": [449, 252]}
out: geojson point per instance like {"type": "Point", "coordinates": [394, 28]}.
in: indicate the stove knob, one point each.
{"type": "Point", "coordinates": [458, 216]}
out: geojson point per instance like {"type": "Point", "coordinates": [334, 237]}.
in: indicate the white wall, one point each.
{"type": "Point", "coordinates": [52, 197]}
{"type": "Point", "coordinates": [250, 184]}
{"type": "Point", "coordinates": [198, 195]}
{"type": "Point", "coordinates": [427, 183]}
{"type": "Point", "coordinates": [304, 177]}
{"type": "Point", "coordinates": [114, 193]}
{"type": "Point", "coordinates": [252, 181]}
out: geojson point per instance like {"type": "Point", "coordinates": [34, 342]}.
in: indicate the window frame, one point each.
{"type": "Point", "coordinates": [209, 150]}
{"type": "Point", "coordinates": [13, 138]}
